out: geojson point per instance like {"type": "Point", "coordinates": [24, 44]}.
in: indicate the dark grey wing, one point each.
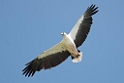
{"type": "Point", "coordinates": [48, 59]}
{"type": "Point", "coordinates": [82, 27]}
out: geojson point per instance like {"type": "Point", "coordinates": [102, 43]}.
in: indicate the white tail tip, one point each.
{"type": "Point", "coordinates": [77, 59]}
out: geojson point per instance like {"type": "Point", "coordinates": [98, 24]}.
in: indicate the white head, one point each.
{"type": "Point", "coordinates": [63, 34]}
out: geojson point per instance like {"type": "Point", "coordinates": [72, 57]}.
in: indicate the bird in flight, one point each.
{"type": "Point", "coordinates": [67, 47]}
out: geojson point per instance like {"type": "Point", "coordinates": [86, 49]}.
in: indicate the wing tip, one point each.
{"type": "Point", "coordinates": [30, 69]}
{"type": "Point", "coordinates": [91, 10]}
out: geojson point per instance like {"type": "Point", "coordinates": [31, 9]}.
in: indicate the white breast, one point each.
{"type": "Point", "coordinates": [69, 44]}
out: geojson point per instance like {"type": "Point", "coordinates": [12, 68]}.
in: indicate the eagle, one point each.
{"type": "Point", "coordinates": [68, 46]}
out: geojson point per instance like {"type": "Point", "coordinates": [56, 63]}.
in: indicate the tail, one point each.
{"type": "Point", "coordinates": [77, 59]}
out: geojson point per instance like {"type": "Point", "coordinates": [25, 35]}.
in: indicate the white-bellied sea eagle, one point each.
{"type": "Point", "coordinates": [67, 47]}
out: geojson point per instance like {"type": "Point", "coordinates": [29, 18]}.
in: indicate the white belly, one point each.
{"type": "Point", "coordinates": [70, 46]}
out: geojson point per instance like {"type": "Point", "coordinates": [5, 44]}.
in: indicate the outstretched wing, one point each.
{"type": "Point", "coordinates": [82, 27]}
{"type": "Point", "coordinates": [50, 58]}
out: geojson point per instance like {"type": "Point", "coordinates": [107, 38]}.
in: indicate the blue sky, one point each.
{"type": "Point", "coordinates": [28, 27]}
